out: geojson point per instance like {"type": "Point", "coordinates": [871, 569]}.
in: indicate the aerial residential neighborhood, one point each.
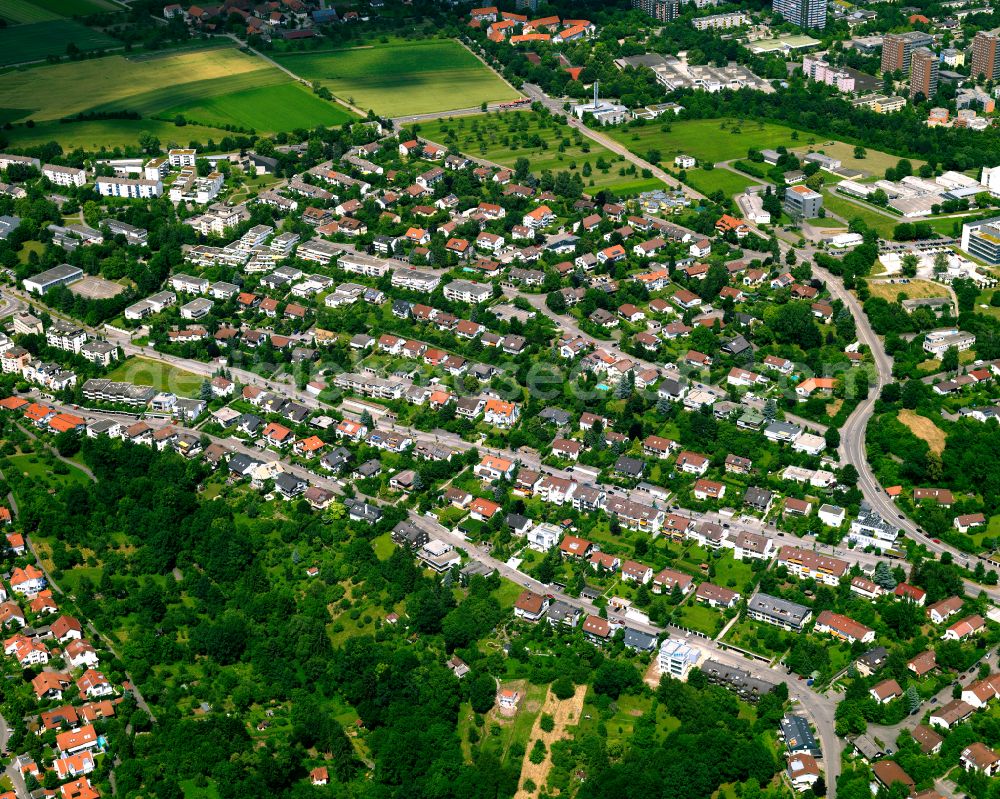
{"type": "Point", "coordinates": [408, 399]}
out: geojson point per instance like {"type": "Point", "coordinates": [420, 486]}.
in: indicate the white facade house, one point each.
{"type": "Point", "coordinates": [677, 658]}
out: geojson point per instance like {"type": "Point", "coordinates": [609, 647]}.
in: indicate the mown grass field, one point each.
{"type": "Point", "coordinates": [220, 84]}
{"type": "Point", "coordinates": [403, 77]}
{"type": "Point", "coordinates": [708, 139]}
{"type": "Point", "coordinates": [38, 40]}
{"type": "Point", "coordinates": [505, 137]}
{"type": "Point", "coordinates": [159, 375]}
{"type": "Point", "coordinates": [712, 180]}
{"type": "Point", "coordinates": [839, 205]}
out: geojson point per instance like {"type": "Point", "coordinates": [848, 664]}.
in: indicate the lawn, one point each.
{"type": "Point", "coordinates": [546, 143]}
{"type": "Point", "coordinates": [30, 247]}
{"type": "Point", "coordinates": [708, 139]}
{"type": "Point", "coordinates": [712, 180]}
{"type": "Point", "coordinates": [221, 84]}
{"type": "Point", "coordinates": [619, 720]}
{"type": "Point", "coordinates": [403, 77]}
{"type": "Point", "coordinates": [696, 616]}
{"type": "Point", "coordinates": [839, 205]}
{"type": "Point", "coordinates": [161, 376]}
{"type": "Point", "coordinates": [758, 637]}
{"type": "Point", "coordinates": [383, 546]}
{"type": "Point", "coordinates": [193, 791]}
{"type": "Point", "coordinates": [39, 40]}
{"type": "Point", "coordinates": [734, 574]}
{"type": "Point", "coordinates": [39, 471]}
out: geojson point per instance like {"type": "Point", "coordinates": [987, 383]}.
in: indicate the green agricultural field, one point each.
{"type": "Point", "coordinates": [503, 138]}
{"type": "Point", "coordinates": [403, 77]}
{"type": "Point", "coordinates": [219, 83]}
{"type": "Point", "coordinates": [254, 108]}
{"type": "Point", "coordinates": [708, 139]}
{"type": "Point", "coordinates": [159, 375]}
{"type": "Point", "coordinates": [92, 135]}
{"type": "Point", "coordinates": [37, 41]}
{"type": "Point", "coordinates": [22, 12]}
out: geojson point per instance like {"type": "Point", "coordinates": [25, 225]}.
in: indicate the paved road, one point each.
{"type": "Point", "coordinates": [555, 107]}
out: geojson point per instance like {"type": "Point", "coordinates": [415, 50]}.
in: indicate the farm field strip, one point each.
{"type": "Point", "coordinates": [217, 86]}
{"type": "Point", "coordinates": [38, 40]}
{"type": "Point", "coordinates": [401, 78]}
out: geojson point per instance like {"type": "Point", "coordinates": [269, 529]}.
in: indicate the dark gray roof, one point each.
{"type": "Point", "coordinates": [798, 737]}
{"type": "Point", "coordinates": [557, 415]}
{"type": "Point", "coordinates": [633, 467]}
{"type": "Point", "coordinates": [639, 641]}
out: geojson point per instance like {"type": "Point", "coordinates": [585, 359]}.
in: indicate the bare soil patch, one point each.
{"type": "Point", "coordinates": [924, 429]}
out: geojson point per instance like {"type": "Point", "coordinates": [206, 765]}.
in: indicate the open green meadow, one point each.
{"type": "Point", "coordinates": [505, 137]}
{"type": "Point", "coordinates": [708, 139]}
{"type": "Point", "coordinates": [402, 77]}
{"type": "Point", "coordinates": [712, 180]}
{"type": "Point", "coordinates": [159, 375]}
{"type": "Point", "coordinates": [36, 467]}
{"type": "Point", "coordinates": [38, 40]}
{"type": "Point", "coordinates": [214, 86]}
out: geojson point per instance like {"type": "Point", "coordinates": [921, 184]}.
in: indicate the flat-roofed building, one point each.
{"type": "Point", "coordinates": [56, 276]}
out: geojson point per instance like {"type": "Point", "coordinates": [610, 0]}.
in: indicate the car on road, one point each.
{"type": "Point", "coordinates": [936, 540]}
{"type": "Point", "coordinates": [933, 700]}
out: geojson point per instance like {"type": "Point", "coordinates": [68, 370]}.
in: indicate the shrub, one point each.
{"type": "Point", "coordinates": [563, 688]}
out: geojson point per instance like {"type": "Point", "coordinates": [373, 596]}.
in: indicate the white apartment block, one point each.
{"type": "Point", "coordinates": [65, 175]}
{"type": "Point", "coordinates": [184, 157]}
{"type": "Point", "coordinates": [132, 188]}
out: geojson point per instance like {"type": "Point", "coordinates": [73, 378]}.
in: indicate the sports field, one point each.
{"type": "Point", "coordinates": [38, 40]}
{"type": "Point", "coordinates": [504, 137]}
{"type": "Point", "coordinates": [215, 86]}
{"type": "Point", "coordinates": [402, 77]}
